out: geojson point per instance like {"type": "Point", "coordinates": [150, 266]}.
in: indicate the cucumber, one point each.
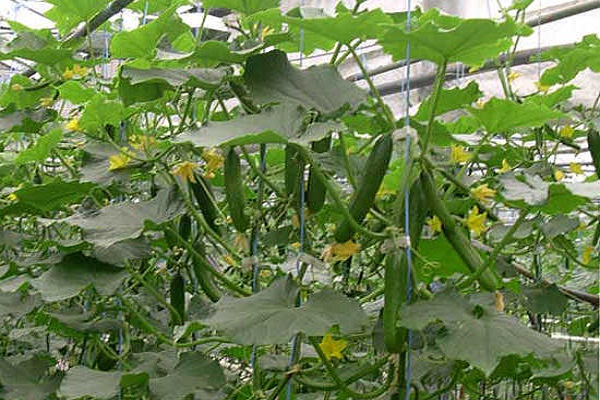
{"type": "Point", "coordinates": [177, 293]}
{"type": "Point", "coordinates": [316, 191]}
{"type": "Point", "coordinates": [294, 168]}
{"type": "Point", "coordinates": [204, 278]}
{"type": "Point", "coordinates": [396, 271]}
{"type": "Point", "coordinates": [234, 191]}
{"type": "Point", "coordinates": [206, 201]}
{"type": "Point", "coordinates": [185, 226]}
{"type": "Point", "coordinates": [374, 171]}
{"type": "Point", "coordinates": [593, 138]}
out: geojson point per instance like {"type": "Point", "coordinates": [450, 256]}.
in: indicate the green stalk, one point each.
{"type": "Point", "coordinates": [347, 161]}
{"type": "Point", "coordinates": [260, 173]}
{"type": "Point", "coordinates": [435, 99]}
{"type": "Point", "coordinates": [453, 233]}
{"type": "Point", "coordinates": [154, 293]}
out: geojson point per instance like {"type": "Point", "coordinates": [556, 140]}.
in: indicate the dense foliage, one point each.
{"type": "Point", "coordinates": [215, 222]}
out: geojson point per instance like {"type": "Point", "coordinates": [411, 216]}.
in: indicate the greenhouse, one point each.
{"type": "Point", "coordinates": [299, 199]}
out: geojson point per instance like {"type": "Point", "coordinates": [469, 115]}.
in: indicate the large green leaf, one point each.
{"type": "Point", "coordinates": [68, 14]}
{"type": "Point", "coordinates": [16, 304]}
{"type": "Point", "coordinates": [271, 316]}
{"type": "Point", "coordinates": [476, 333]}
{"type": "Point", "coordinates": [39, 46]}
{"type": "Point", "coordinates": [100, 112]}
{"type": "Point", "coordinates": [442, 260]}
{"type": "Point", "coordinates": [442, 38]}
{"type": "Point", "coordinates": [205, 78]}
{"type": "Point", "coordinates": [246, 7]}
{"type": "Point", "coordinates": [47, 197]}
{"type": "Point", "coordinates": [123, 221]}
{"type": "Point", "coordinates": [541, 299]}
{"type": "Point", "coordinates": [322, 31]}
{"type": "Point", "coordinates": [271, 78]}
{"type": "Point", "coordinates": [493, 115]}
{"type": "Point", "coordinates": [27, 379]}
{"type": "Point", "coordinates": [40, 150]}
{"type": "Point", "coordinates": [585, 54]}
{"type": "Point", "coordinates": [82, 382]}
{"type": "Point", "coordinates": [75, 273]}
{"type": "Point", "coordinates": [274, 125]}
{"type": "Point", "coordinates": [564, 198]}
{"type": "Point", "coordinates": [195, 373]}
{"type": "Point", "coordinates": [530, 189]}
{"type": "Point", "coordinates": [450, 99]}
{"type": "Point", "coordinates": [75, 92]}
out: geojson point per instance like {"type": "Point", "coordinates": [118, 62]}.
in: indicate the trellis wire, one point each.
{"type": "Point", "coordinates": [407, 203]}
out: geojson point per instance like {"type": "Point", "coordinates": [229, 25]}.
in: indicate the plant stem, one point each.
{"type": "Point", "coordinates": [434, 100]}
{"type": "Point", "coordinates": [260, 173]}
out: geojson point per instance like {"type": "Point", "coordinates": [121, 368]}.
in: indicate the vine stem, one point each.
{"type": "Point", "coordinates": [435, 99]}
{"type": "Point", "coordinates": [260, 173]}
{"type": "Point", "coordinates": [346, 160]}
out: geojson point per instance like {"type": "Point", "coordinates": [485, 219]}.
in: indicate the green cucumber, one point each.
{"type": "Point", "coordinates": [316, 191]}
{"type": "Point", "coordinates": [593, 138]}
{"type": "Point", "coordinates": [234, 191]}
{"type": "Point", "coordinates": [204, 278]}
{"type": "Point", "coordinates": [294, 168]}
{"type": "Point", "coordinates": [185, 226]}
{"type": "Point", "coordinates": [206, 201]}
{"type": "Point", "coordinates": [177, 293]}
{"type": "Point", "coordinates": [374, 171]}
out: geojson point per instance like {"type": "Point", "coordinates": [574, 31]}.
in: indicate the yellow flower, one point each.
{"type": "Point", "coordinates": [566, 132]}
{"type": "Point", "coordinates": [476, 221]}
{"type": "Point", "coordinates": [458, 154]}
{"type": "Point", "coordinates": [340, 251]}
{"type": "Point", "coordinates": [295, 245]}
{"type": "Point", "coordinates": [185, 170]}
{"type": "Point", "coordinates": [241, 243]}
{"type": "Point", "coordinates": [575, 168]}
{"type": "Point", "coordinates": [142, 142]}
{"type": "Point", "coordinates": [118, 161]}
{"type": "Point", "coordinates": [214, 161]}
{"type": "Point", "coordinates": [513, 76]}
{"type": "Point", "coordinates": [81, 71]}
{"type": "Point", "coordinates": [479, 104]}
{"type": "Point", "coordinates": [229, 260]}
{"type": "Point", "coordinates": [16, 87]}
{"type": "Point", "coordinates": [434, 223]}
{"type": "Point", "coordinates": [46, 101]}
{"type": "Point", "coordinates": [586, 255]}
{"type": "Point", "coordinates": [498, 301]}
{"type": "Point", "coordinates": [331, 347]}
{"type": "Point", "coordinates": [12, 197]}
{"type": "Point", "coordinates": [541, 87]}
{"type": "Point", "coordinates": [68, 74]}
{"type": "Point", "coordinates": [505, 166]}
{"type": "Point", "coordinates": [483, 193]}
{"type": "Point", "coordinates": [558, 175]}
{"type": "Point", "coordinates": [73, 125]}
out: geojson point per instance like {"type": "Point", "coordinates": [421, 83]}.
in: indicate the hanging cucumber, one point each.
{"type": "Point", "coordinates": [177, 293]}
{"type": "Point", "coordinates": [185, 226]}
{"type": "Point", "coordinates": [294, 168]}
{"type": "Point", "coordinates": [593, 138]}
{"type": "Point", "coordinates": [374, 171]}
{"type": "Point", "coordinates": [234, 191]}
{"type": "Point", "coordinates": [204, 278]}
{"type": "Point", "coordinates": [316, 191]}
{"type": "Point", "coordinates": [396, 270]}
{"type": "Point", "coordinates": [206, 201]}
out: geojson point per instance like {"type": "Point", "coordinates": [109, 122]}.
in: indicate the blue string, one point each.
{"type": "Point", "coordinates": [407, 205]}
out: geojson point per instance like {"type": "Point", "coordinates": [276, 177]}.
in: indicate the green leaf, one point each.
{"type": "Point", "coordinates": [442, 259]}
{"type": "Point", "coordinates": [562, 198]}
{"type": "Point", "coordinates": [39, 46]}
{"type": "Point", "coordinates": [100, 112]}
{"type": "Point", "coordinates": [275, 125]}
{"type": "Point", "coordinates": [476, 333]}
{"type": "Point", "coordinates": [525, 188]}
{"type": "Point", "coordinates": [48, 197]}
{"type": "Point", "coordinates": [195, 373]}
{"type": "Point", "coordinates": [243, 6]}
{"type": "Point", "coordinates": [559, 225]}
{"type": "Point", "coordinates": [270, 316]}
{"type": "Point", "coordinates": [450, 99]}
{"type": "Point", "coordinates": [95, 164]}
{"type": "Point", "coordinates": [17, 304]}
{"type": "Point", "coordinates": [321, 31]}
{"type": "Point", "coordinates": [205, 78]}
{"type": "Point", "coordinates": [75, 273]}
{"type": "Point", "coordinates": [122, 221]}
{"type": "Point", "coordinates": [585, 54]}
{"type": "Point", "coordinates": [28, 379]}
{"type": "Point", "coordinates": [271, 78]}
{"type": "Point", "coordinates": [75, 92]}
{"type": "Point", "coordinates": [493, 115]}
{"type": "Point", "coordinates": [68, 14]}
{"type": "Point", "coordinates": [82, 382]}
{"type": "Point", "coordinates": [40, 149]}
{"type": "Point", "coordinates": [442, 38]}
{"type": "Point", "coordinates": [212, 53]}
{"type": "Point", "coordinates": [142, 42]}
{"type": "Point", "coordinates": [543, 299]}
